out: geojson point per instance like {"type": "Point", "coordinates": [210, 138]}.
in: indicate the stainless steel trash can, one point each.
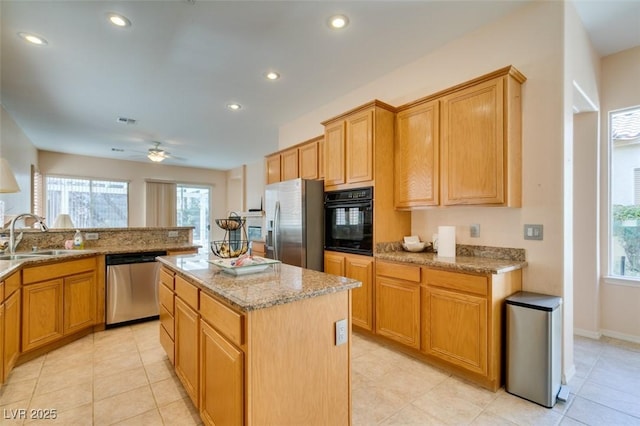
{"type": "Point", "coordinates": [534, 339]}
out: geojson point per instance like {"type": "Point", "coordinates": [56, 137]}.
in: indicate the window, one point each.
{"type": "Point", "coordinates": [625, 193]}
{"type": "Point", "coordinates": [193, 210]}
{"type": "Point", "coordinates": [90, 203]}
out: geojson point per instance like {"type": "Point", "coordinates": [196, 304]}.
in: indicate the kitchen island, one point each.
{"type": "Point", "coordinates": [266, 348]}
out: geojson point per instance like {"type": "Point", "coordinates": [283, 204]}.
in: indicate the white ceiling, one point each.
{"type": "Point", "coordinates": [182, 61]}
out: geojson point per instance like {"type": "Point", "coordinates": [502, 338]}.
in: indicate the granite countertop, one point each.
{"type": "Point", "coordinates": [277, 285]}
{"type": "Point", "coordinates": [473, 259]}
{"type": "Point", "coordinates": [7, 267]}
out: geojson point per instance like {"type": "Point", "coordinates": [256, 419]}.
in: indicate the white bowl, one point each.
{"type": "Point", "coordinates": [413, 247]}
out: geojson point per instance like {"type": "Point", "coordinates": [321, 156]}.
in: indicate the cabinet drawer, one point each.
{"type": "Point", "coordinates": [226, 320]}
{"type": "Point", "coordinates": [399, 271]}
{"type": "Point", "coordinates": [167, 344]}
{"type": "Point", "coordinates": [166, 298]}
{"type": "Point", "coordinates": [167, 321]}
{"type": "Point", "coordinates": [187, 292]}
{"type": "Point", "coordinates": [55, 270]}
{"type": "Point", "coordinates": [455, 281]}
{"type": "Point", "coordinates": [166, 278]}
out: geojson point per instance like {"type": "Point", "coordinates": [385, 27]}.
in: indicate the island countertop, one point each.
{"type": "Point", "coordinates": [277, 285]}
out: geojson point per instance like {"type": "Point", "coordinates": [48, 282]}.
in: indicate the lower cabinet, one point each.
{"type": "Point", "coordinates": [10, 324]}
{"type": "Point", "coordinates": [187, 333]}
{"type": "Point", "coordinates": [79, 302]}
{"type": "Point", "coordinates": [360, 268]}
{"type": "Point", "coordinates": [222, 379]}
{"type": "Point", "coordinates": [42, 306]}
{"type": "Point", "coordinates": [398, 302]}
{"type": "Point", "coordinates": [454, 319]}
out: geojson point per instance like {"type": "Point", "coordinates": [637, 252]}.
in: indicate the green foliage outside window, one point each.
{"type": "Point", "coordinates": [626, 221]}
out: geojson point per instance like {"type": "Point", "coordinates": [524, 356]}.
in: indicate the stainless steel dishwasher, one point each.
{"type": "Point", "coordinates": [132, 287]}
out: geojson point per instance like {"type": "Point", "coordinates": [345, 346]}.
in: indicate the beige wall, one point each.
{"type": "Point", "coordinates": [531, 39]}
{"type": "Point", "coordinates": [620, 301]}
{"type": "Point", "coordinates": [18, 150]}
{"type": "Point", "coordinates": [136, 173]}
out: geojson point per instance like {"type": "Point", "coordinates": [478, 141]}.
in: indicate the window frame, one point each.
{"type": "Point", "coordinates": [610, 277]}
{"type": "Point", "coordinates": [45, 193]}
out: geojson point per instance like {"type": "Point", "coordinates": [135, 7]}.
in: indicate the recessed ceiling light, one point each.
{"type": "Point", "coordinates": [33, 39]}
{"type": "Point", "coordinates": [118, 20]}
{"type": "Point", "coordinates": [272, 75]}
{"type": "Point", "coordinates": [234, 106]}
{"type": "Point", "coordinates": [338, 21]}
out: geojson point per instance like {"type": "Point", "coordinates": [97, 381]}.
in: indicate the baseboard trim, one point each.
{"type": "Point", "coordinates": [587, 333]}
{"type": "Point", "coordinates": [621, 336]}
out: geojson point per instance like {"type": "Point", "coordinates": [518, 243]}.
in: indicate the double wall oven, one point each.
{"type": "Point", "coordinates": [349, 221]}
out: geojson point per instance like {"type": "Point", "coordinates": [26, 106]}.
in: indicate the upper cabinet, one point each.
{"type": "Point", "coordinates": [299, 161]}
{"type": "Point", "coordinates": [417, 149]}
{"type": "Point", "coordinates": [462, 146]}
{"type": "Point", "coordinates": [358, 145]}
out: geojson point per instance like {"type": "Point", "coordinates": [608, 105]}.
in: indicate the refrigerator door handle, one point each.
{"type": "Point", "coordinates": [276, 231]}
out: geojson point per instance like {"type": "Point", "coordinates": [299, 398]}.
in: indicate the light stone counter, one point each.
{"type": "Point", "coordinates": [279, 284]}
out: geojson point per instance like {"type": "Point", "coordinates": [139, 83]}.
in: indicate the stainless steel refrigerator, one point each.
{"type": "Point", "coordinates": [295, 222]}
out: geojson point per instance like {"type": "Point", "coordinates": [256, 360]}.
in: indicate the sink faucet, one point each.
{"type": "Point", "coordinates": [13, 242]}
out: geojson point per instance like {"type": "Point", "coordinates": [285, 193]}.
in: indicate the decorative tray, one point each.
{"type": "Point", "coordinates": [255, 264]}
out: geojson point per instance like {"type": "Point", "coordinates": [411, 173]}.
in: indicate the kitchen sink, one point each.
{"type": "Point", "coordinates": [19, 256]}
{"type": "Point", "coordinates": [56, 252]}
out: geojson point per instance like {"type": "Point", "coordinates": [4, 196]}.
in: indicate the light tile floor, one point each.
{"type": "Point", "coordinates": [121, 376]}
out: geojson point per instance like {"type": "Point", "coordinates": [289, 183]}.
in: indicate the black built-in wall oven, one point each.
{"type": "Point", "coordinates": [349, 221]}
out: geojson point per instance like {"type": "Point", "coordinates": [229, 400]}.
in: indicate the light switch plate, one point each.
{"type": "Point", "coordinates": [341, 332]}
{"type": "Point", "coordinates": [173, 234]}
{"type": "Point", "coordinates": [91, 236]}
{"type": "Point", "coordinates": [533, 232]}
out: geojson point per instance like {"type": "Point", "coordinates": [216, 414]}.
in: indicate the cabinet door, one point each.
{"type": "Point", "coordinates": [359, 147]}
{"type": "Point", "coordinates": [11, 348]}
{"type": "Point", "coordinates": [334, 154]}
{"type": "Point", "coordinates": [417, 174]}
{"type": "Point", "coordinates": [398, 310]}
{"type": "Point", "coordinates": [186, 347]}
{"type": "Point", "coordinates": [321, 159]}
{"type": "Point", "coordinates": [308, 154]}
{"type": "Point", "coordinates": [79, 302]}
{"type": "Point", "coordinates": [222, 379]}
{"type": "Point", "coordinates": [42, 313]}
{"type": "Point", "coordinates": [455, 328]}
{"type": "Point", "coordinates": [334, 263]}
{"type": "Point", "coordinates": [273, 168]}
{"type": "Point", "coordinates": [289, 166]}
{"type": "Point", "coordinates": [473, 154]}
{"type": "Point", "coordinates": [361, 269]}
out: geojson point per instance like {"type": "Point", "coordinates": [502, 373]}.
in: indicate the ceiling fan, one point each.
{"type": "Point", "coordinates": [156, 154]}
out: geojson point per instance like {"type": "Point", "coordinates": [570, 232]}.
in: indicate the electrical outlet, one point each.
{"type": "Point", "coordinates": [533, 232]}
{"type": "Point", "coordinates": [341, 332]}
{"type": "Point", "coordinates": [91, 236]}
{"type": "Point", "coordinates": [474, 230]}
{"type": "Point", "coordinates": [173, 234]}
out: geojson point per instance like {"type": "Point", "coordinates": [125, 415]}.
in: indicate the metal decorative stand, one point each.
{"type": "Point", "coordinates": [235, 242]}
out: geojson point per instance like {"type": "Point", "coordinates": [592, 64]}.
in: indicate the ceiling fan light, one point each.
{"type": "Point", "coordinates": [155, 156]}
{"type": "Point", "coordinates": [118, 20]}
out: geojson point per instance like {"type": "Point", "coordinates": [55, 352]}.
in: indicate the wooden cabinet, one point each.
{"type": "Point", "coordinates": [398, 302]}
{"type": "Point", "coordinates": [462, 146]}
{"type": "Point", "coordinates": [354, 141]}
{"type": "Point", "coordinates": [359, 268]}
{"type": "Point", "coordinates": [9, 324]}
{"type": "Point", "coordinates": [258, 248]}
{"type": "Point", "coordinates": [300, 161]}
{"type": "Point", "coordinates": [309, 160]}
{"type": "Point", "coordinates": [221, 364]}
{"type": "Point", "coordinates": [463, 321]}
{"type": "Point", "coordinates": [289, 164]}
{"type": "Point", "coordinates": [58, 299]}
{"type": "Point", "coordinates": [187, 336]}
{"type": "Point", "coordinates": [273, 168]}
{"type": "Point", "coordinates": [481, 142]}
{"type": "Point", "coordinates": [167, 312]}
{"type": "Point", "coordinates": [79, 302]}
{"type": "Point", "coordinates": [417, 162]}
